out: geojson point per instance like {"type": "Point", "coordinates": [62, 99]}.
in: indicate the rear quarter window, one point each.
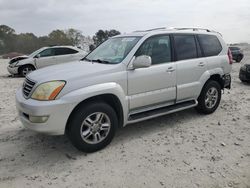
{"type": "Point", "coordinates": [210, 44]}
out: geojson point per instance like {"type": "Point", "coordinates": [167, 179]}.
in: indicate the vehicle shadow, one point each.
{"type": "Point", "coordinates": [8, 76]}
{"type": "Point", "coordinates": [59, 147]}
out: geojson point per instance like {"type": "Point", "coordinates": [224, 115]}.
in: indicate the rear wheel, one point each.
{"type": "Point", "coordinates": [92, 126]}
{"type": "Point", "coordinates": [24, 70]}
{"type": "Point", "coordinates": [209, 98]}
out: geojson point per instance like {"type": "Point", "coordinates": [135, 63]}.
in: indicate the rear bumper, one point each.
{"type": "Point", "coordinates": [227, 81]}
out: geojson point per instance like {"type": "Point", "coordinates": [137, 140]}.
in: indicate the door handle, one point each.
{"type": "Point", "coordinates": [170, 69]}
{"type": "Point", "coordinates": [201, 64]}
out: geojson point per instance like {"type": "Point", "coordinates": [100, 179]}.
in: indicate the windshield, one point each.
{"type": "Point", "coordinates": [36, 52]}
{"type": "Point", "coordinates": [113, 51]}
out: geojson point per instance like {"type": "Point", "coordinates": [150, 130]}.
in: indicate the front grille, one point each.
{"type": "Point", "coordinates": [27, 87]}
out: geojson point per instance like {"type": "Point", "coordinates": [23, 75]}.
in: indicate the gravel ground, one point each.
{"type": "Point", "coordinates": [184, 149]}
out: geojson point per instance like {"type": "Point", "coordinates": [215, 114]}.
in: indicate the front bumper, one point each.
{"type": "Point", "coordinates": [12, 70]}
{"type": "Point", "coordinates": [57, 112]}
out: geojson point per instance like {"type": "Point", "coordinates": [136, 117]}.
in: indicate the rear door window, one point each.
{"type": "Point", "coordinates": [185, 47]}
{"type": "Point", "coordinates": [210, 45]}
{"type": "Point", "coordinates": [64, 51]}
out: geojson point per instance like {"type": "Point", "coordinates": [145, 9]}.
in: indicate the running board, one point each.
{"type": "Point", "coordinates": [133, 118]}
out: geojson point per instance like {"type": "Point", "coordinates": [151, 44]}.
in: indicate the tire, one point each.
{"type": "Point", "coordinates": [83, 126]}
{"type": "Point", "coordinates": [239, 58]}
{"type": "Point", "coordinates": [207, 103]}
{"type": "Point", "coordinates": [24, 70]}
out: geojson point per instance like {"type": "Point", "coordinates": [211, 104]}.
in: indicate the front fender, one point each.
{"type": "Point", "coordinates": [79, 95]}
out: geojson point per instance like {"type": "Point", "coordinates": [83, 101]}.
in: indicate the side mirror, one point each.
{"type": "Point", "coordinates": [37, 56]}
{"type": "Point", "coordinates": [142, 61]}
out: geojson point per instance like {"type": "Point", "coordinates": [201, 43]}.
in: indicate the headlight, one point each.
{"type": "Point", "coordinates": [15, 64]}
{"type": "Point", "coordinates": [48, 90]}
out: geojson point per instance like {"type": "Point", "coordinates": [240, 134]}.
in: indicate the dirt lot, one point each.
{"type": "Point", "coordinates": [184, 149]}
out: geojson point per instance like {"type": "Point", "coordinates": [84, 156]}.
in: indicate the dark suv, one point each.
{"type": "Point", "coordinates": [237, 53]}
{"type": "Point", "coordinates": [245, 73]}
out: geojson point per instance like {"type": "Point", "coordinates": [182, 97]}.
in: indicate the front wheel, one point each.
{"type": "Point", "coordinates": [92, 126]}
{"type": "Point", "coordinates": [209, 98]}
{"type": "Point", "coordinates": [24, 70]}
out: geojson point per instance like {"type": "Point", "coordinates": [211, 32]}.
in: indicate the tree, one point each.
{"type": "Point", "coordinates": [101, 35]}
{"type": "Point", "coordinates": [75, 36]}
{"type": "Point", "coordinates": [58, 37]}
{"type": "Point", "coordinates": [7, 38]}
{"type": "Point", "coordinates": [6, 30]}
{"type": "Point", "coordinates": [27, 42]}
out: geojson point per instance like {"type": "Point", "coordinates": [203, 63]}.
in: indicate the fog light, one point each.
{"type": "Point", "coordinates": [38, 119]}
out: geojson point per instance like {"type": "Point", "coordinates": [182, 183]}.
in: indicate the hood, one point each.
{"type": "Point", "coordinates": [71, 71]}
{"type": "Point", "coordinates": [18, 58]}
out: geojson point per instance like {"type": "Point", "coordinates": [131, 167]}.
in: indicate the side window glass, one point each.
{"type": "Point", "coordinates": [185, 47]}
{"type": "Point", "coordinates": [210, 45]}
{"type": "Point", "coordinates": [48, 52]}
{"type": "Point", "coordinates": [158, 48]}
{"type": "Point", "coordinates": [64, 51]}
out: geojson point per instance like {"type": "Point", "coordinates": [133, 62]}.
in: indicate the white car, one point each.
{"type": "Point", "coordinates": [127, 79]}
{"type": "Point", "coordinates": [44, 57]}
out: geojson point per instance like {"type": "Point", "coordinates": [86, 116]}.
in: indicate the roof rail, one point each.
{"type": "Point", "coordinates": [182, 28]}
{"type": "Point", "coordinates": [197, 29]}
{"type": "Point", "coordinates": [154, 29]}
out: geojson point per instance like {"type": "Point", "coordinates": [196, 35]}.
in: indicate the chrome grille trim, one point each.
{"type": "Point", "coordinates": [27, 87]}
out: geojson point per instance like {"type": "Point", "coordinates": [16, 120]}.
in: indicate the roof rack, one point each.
{"type": "Point", "coordinates": [154, 29]}
{"type": "Point", "coordinates": [197, 29]}
{"type": "Point", "coordinates": [182, 28]}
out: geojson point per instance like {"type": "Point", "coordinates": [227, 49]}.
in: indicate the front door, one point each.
{"type": "Point", "coordinates": [156, 84]}
{"type": "Point", "coordinates": [46, 57]}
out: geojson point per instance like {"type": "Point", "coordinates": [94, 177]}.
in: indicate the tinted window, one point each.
{"type": "Point", "coordinates": [185, 46]}
{"type": "Point", "coordinates": [234, 48]}
{"type": "Point", "coordinates": [158, 48]}
{"type": "Point", "coordinates": [210, 45]}
{"type": "Point", "coordinates": [64, 51]}
{"type": "Point", "coordinates": [48, 52]}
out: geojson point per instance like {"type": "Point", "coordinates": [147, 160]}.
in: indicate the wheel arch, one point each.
{"type": "Point", "coordinates": [24, 65]}
{"type": "Point", "coordinates": [216, 76]}
{"type": "Point", "coordinates": [108, 98]}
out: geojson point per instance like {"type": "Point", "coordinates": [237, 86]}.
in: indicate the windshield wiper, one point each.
{"type": "Point", "coordinates": [86, 59]}
{"type": "Point", "coordinates": [96, 60]}
{"type": "Point", "coordinates": [100, 61]}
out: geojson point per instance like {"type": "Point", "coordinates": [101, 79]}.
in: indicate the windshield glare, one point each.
{"type": "Point", "coordinates": [113, 50]}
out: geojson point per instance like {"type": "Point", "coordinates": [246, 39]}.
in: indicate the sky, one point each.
{"type": "Point", "coordinates": [229, 17]}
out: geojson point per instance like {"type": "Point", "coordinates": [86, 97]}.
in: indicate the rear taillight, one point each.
{"type": "Point", "coordinates": [230, 57]}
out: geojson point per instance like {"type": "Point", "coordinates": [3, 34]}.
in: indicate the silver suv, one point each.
{"type": "Point", "coordinates": [127, 79]}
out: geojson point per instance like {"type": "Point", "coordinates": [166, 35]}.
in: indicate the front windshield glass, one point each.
{"type": "Point", "coordinates": [113, 51]}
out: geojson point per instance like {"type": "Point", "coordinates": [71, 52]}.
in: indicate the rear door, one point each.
{"type": "Point", "coordinates": [65, 55]}
{"type": "Point", "coordinates": [190, 66]}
